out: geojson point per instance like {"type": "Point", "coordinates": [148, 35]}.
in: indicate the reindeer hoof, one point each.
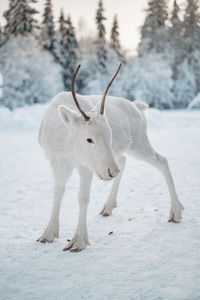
{"type": "Point", "coordinates": [44, 241]}
{"type": "Point", "coordinates": [176, 213]}
{"type": "Point", "coordinates": [69, 246]}
{"type": "Point", "coordinates": [50, 233]}
{"type": "Point", "coordinates": [106, 214]}
{"type": "Point", "coordinates": [173, 220]}
{"type": "Point", "coordinates": [107, 210]}
{"type": "Point", "coordinates": [75, 250]}
{"type": "Point", "coordinates": [72, 249]}
{"type": "Point", "coordinates": [77, 243]}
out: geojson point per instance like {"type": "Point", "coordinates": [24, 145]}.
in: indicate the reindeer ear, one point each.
{"type": "Point", "coordinates": [68, 115]}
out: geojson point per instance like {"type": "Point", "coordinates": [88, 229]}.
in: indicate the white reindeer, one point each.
{"type": "Point", "coordinates": [95, 142]}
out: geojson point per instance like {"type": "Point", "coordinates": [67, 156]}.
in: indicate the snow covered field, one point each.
{"type": "Point", "coordinates": [145, 258]}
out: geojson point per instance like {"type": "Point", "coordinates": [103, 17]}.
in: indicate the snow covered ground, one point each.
{"type": "Point", "coordinates": [145, 258]}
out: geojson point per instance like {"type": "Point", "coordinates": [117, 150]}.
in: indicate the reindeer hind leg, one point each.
{"type": "Point", "coordinates": [144, 151]}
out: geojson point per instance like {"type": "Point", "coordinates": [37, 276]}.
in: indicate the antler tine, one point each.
{"type": "Point", "coordinates": [106, 91]}
{"type": "Point", "coordinates": [74, 95]}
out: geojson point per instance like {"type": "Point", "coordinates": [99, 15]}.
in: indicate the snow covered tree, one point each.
{"type": "Point", "coordinates": [101, 50]}
{"type": "Point", "coordinates": [192, 26]}
{"type": "Point", "coordinates": [114, 37]}
{"type": "Point", "coordinates": [148, 78]}
{"type": "Point", "coordinates": [187, 54]}
{"type": "Point", "coordinates": [177, 47]}
{"type": "Point", "coordinates": [195, 103]}
{"type": "Point", "coordinates": [115, 41]}
{"type": "Point", "coordinates": [175, 20]}
{"type": "Point", "coordinates": [59, 36]}
{"type": "Point", "coordinates": [19, 17]}
{"type": "Point", "coordinates": [71, 56]}
{"type": "Point", "coordinates": [65, 49]}
{"type": "Point", "coordinates": [184, 88]}
{"type": "Point", "coordinates": [30, 73]}
{"type": "Point", "coordinates": [47, 30]}
{"type": "Point", "coordinates": [176, 29]}
{"type": "Point", "coordinates": [62, 22]}
{"type": "Point", "coordinates": [192, 38]}
{"type": "Point", "coordinates": [176, 38]}
{"type": "Point", "coordinates": [3, 37]}
{"type": "Point", "coordinates": [154, 31]}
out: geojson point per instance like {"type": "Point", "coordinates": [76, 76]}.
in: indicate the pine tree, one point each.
{"type": "Point", "coordinates": [71, 56]}
{"type": "Point", "coordinates": [176, 30]}
{"type": "Point", "coordinates": [153, 32]}
{"type": "Point", "coordinates": [61, 22]}
{"type": "Point", "coordinates": [175, 20]}
{"type": "Point", "coordinates": [65, 48]}
{"type": "Point", "coordinates": [115, 41]}
{"type": "Point", "coordinates": [0, 32]}
{"type": "Point", "coordinates": [176, 37]}
{"type": "Point", "coordinates": [3, 37]}
{"type": "Point", "coordinates": [192, 26]}
{"type": "Point", "coordinates": [19, 17]}
{"type": "Point", "coordinates": [47, 31]}
{"type": "Point", "coordinates": [101, 40]}
{"type": "Point", "coordinates": [185, 38]}
{"type": "Point", "coordinates": [114, 37]}
{"type": "Point", "coordinates": [192, 38]}
{"type": "Point", "coordinates": [59, 37]}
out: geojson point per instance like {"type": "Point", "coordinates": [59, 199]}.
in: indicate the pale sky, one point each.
{"type": "Point", "coordinates": [130, 15]}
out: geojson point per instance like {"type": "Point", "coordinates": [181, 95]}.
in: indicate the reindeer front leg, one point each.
{"type": "Point", "coordinates": [62, 172]}
{"type": "Point", "coordinates": [112, 198]}
{"type": "Point", "coordinates": [80, 238]}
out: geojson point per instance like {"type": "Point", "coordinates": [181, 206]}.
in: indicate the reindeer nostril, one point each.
{"type": "Point", "coordinates": [109, 173]}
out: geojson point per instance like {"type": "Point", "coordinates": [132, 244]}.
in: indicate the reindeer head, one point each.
{"type": "Point", "coordinates": [92, 135]}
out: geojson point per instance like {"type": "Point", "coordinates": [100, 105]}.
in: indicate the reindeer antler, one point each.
{"type": "Point", "coordinates": [74, 95]}
{"type": "Point", "coordinates": [106, 91]}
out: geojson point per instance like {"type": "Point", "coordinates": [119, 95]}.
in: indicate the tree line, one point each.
{"type": "Point", "coordinates": [38, 60]}
{"type": "Point", "coordinates": [176, 38]}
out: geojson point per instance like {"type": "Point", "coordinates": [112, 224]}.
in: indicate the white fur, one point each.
{"type": "Point", "coordinates": [120, 131]}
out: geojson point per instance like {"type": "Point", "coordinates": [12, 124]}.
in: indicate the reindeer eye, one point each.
{"type": "Point", "coordinates": [90, 141]}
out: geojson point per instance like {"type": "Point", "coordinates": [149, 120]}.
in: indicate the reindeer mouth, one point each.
{"type": "Point", "coordinates": [107, 178]}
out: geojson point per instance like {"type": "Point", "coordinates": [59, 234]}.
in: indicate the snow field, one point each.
{"type": "Point", "coordinates": [145, 258]}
